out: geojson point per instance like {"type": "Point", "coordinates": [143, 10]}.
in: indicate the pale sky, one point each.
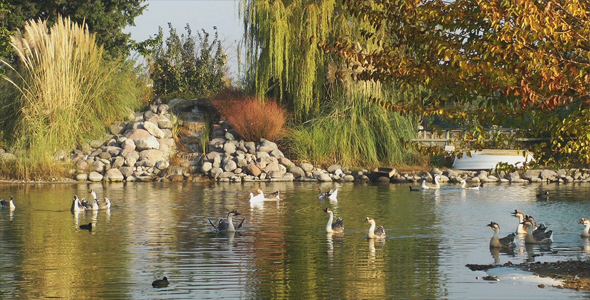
{"type": "Point", "coordinates": [199, 14]}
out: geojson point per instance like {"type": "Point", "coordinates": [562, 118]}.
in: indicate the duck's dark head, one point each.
{"type": "Point", "coordinates": [235, 212]}
{"type": "Point", "coordinates": [493, 225]}
{"type": "Point", "coordinates": [327, 210]}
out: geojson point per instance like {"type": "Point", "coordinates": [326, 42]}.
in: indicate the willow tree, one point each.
{"type": "Point", "coordinates": [524, 64]}
{"type": "Point", "coordinates": [283, 61]}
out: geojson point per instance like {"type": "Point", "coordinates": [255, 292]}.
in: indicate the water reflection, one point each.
{"type": "Point", "coordinates": [162, 229]}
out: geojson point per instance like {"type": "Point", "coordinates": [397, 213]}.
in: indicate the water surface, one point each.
{"type": "Point", "coordinates": [162, 229]}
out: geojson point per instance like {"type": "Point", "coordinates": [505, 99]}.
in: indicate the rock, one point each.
{"type": "Point", "coordinates": [530, 174]}
{"type": "Point", "coordinates": [98, 166]}
{"type": "Point", "coordinates": [272, 166]}
{"type": "Point", "coordinates": [154, 130]}
{"type": "Point", "coordinates": [251, 147]}
{"type": "Point", "coordinates": [229, 148]}
{"type": "Point", "coordinates": [333, 168]}
{"type": "Point", "coordinates": [297, 172]}
{"type": "Point", "coordinates": [113, 175]}
{"type": "Point", "coordinates": [307, 167]}
{"type": "Point", "coordinates": [286, 162]}
{"type": "Point", "coordinates": [363, 179]}
{"type": "Point", "coordinates": [128, 145]}
{"type": "Point", "coordinates": [117, 162]}
{"type": "Point", "coordinates": [276, 153]}
{"type": "Point", "coordinates": [95, 177]}
{"type": "Point", "coordinates": [164, 123]}
{"type": "Point", "coordinates": [146, 143]}
{"type": "Point", "coordinates": [175, 170]}
{"type": "Point", "coordinates": [266, 146]}
{"type": "Point", "coordinates": [230, 166]}
{"type": "Point", "coordinates": [137, 134]}
{"type": "Point", "coordinates": [152, 155]}
{"type": "Point", "coordinates": [323, 177]}
{"type": "Point", "coordinates": [253, 170]}
{"type": "Point", "coordinates": [116, 128]}
{"type": "Point", "coordinates": [215, 172]}
{"type": "Point", "coordinates": [96, 144]}
{"type": "Point", "coordinates": [126, 171]}
{"type": "Point", "coordinates": [348, 178]}
{"type": "Point", "coordinates": [162, 165]}
{"type": "Point", "coordinates": [82, 177]}
{"type": "Point", "coordinates": [81, 165]}
{"type": "Point", "coordinates": [262, 155]}
{"type": "Point", "coordinates": [207, 166]}
{"type": "Point", "coordinates": [104, 155]}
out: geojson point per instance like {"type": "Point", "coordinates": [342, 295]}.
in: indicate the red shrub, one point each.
{"type": "Point", "coordinates": [250, 117]}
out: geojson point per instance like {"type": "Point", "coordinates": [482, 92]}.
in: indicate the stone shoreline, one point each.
{"type": "Point", "coordinates": [141, 150]}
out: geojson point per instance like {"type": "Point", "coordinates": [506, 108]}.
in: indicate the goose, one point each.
{"type": "Point", "coordinates": [274, 196]}
{"type": "Point", "coordinates": [427, 186]}
{"type": "Point", "coordinates": [101, 204]}
{"type": "Point", "coordinates": [160, 283]}
{"type": "Point", "coordinates": [227, 226]}
{"type": "Point", "coordinates": [586, 231]}
{"type": "Point", "coordinates": [331, 195]}
{"type": "Point", "coordinates": [471, 187]}
{"type": "Point", "coordinates": [520, 229]}
{"type": "Point", "coordinates": [337, 226]}
{"type": "Point", "coordinates": [497, 242]}
{"type": "Point", "coordinates": [86, 226]}
{"type": "Point", "coordinates": [540, 231]}
{"type": "Point", "coordinates": [8, 204]}
{"type": "Point", "coordinates": [76, 205]}
{"type": "Point", "coordinates": [543, 195]}
{"type": "Point", "coordinates": [375, 234]}
{"type": "Point", "coordinates": [531, 239]}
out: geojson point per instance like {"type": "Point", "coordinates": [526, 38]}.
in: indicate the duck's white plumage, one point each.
{"type": "Point", "coordinates": [336, 227]}
{"type": "Point", "coordinates": [378, 233]}
{"type": "Point", "coordinates": [586, 230]}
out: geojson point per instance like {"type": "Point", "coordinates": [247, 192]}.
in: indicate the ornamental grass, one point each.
{"type": "Point", "coordinates": [60, 93]}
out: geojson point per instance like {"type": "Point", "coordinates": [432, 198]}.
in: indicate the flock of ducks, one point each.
{"type": "Point", "coordinates": [80, 205]}
{"type": "Point", "coordinates": [532, 232]}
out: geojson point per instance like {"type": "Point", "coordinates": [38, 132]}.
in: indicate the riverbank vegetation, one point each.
{"type": "Point", "coordinates": [60, 93]}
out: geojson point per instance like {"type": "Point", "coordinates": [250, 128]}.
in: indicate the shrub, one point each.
{"type": "Point", "coordinates": [182, 68]}
{"type": "Point", "coordinates": [250, 117]}
{"type": "Point", "coordinates": [60, 93]}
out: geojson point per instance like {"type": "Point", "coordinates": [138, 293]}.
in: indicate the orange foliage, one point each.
{"type": "Point", "coordinates": [251, 117]}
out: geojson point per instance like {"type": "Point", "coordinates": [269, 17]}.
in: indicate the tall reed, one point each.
{"type": "Point", "coordinates": [355, 132]}
{"type": "Point", "coordinates": [67, 93]}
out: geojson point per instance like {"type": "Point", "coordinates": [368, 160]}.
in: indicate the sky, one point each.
{"type": "Point", "coordinates": [199, 14]}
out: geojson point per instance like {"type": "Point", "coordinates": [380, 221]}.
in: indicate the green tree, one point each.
{"type": "Point", "coordinates": [282, 61]}
{"type": "Point", "coordinates": [106, 18]}
{"type": "Point", "coordinates": [523, 64]}
{"type": "Point", "coordinates": [179, 67]}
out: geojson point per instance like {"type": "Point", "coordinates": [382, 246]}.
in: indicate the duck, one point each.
{"type": "Point", "coordinates": [227, 226]}
{"type": "Point", "coordinates": [586, 231]}
{"type": "Point", "coordinates": [86, 226]}
{"type": "Point", "coordinates": [100, 204]}
{"type": "Point", "coordinates": [256, 200]}
{"type": "Point", "coordinates": [8, 204]}
{"type": "Point", "coordinates": [497, 242]}
{"type": "Point", "coordinates": [336, 227]}
{"type": "Point", "coordinates": [471, 187]}
{"type": "Point", "coordinates": [520, 229]}
{"type": "Point", "coordinates": [412, 189]}
{"type": "Point", "coordinates": [427, 186]}
{"type": "Point", "coordinates": [273, 196]}
{"type": "Point", "coordinates": [160, 283]}
{"type": "Point", "coordinates": [77, 205]}
{"type": "Point", "coordinates": [375, 234]}
{"type": "Point", "coordinates": [540, 231]}
{"type": "Point", "coordinates": [331, 195]}
{"type": "Point", "coordinates": [532, 239]}
{"type": "Point", "coordinates": [543, 195]}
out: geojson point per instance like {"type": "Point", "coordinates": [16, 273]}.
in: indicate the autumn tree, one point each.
{"type": "Point", "coordinates": [522, 64]}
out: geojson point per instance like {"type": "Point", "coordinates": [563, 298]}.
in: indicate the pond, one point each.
{"type": "Point", "coordinates": [282, 251]}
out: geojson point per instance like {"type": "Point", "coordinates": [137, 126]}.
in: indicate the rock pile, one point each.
{"type": "Point", "coordinates": [138, 150]}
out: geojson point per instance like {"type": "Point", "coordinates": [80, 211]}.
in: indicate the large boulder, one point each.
{"type": "Point", "coordinates": [147, 143]}
{"type": "Point", "coordinates": [154, 130]}
{"type": "Point", "coordinates": [114, 175]}
{"type": "Point", "coordinates": [152, 155]}
{"type": "Point", "coordinates": [137, 134]}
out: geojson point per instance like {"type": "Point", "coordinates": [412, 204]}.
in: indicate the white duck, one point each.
{"type": "Point", "coordinates": [336, 227]}
{"type": "Point", "coordinates": [586, 223]}
{"type": "Point", "coordinates": [256, 200]}
{"type": "Point", "coordinates": [427, 186]}
{"type": "Point", "coordinates": [520, 229]}
{"type": "Point", "coordinates": [375, 234]}
{"type": "Point", "coordinates": [77, 205]}
{"type": "Point", "coordinates": [471, 187]}
{"type": "Point", "coordinates": [497, 242]}
{"type": "Point", "coordinates": [331, 195]}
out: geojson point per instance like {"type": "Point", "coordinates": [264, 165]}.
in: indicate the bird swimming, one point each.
{"type": "Point", "coordinates": [586, 230]}
{"type": "Point", "coordinates": [543, 195]}
{"type": "Point", "coordinates": [375, 234]}
{"type": "Point", "coordinates": [86, 226]}
{"type": "Point", "coordinates": [100, 204]}
{"type": "Point", "coordinates": [8, 204]}
{"type": "Point", "coordinates": [427, 186]}
{"type": "Point", "coordinates": [330, 195]}
{"type": "Point", "coordinates": [471, 187]}
{"type": "Point", "coordinates": [497, 242]}
{"type": "Point", "coordinates": [77, 205]}
{"type": "Point", "coordinates": [532, 239]}
{"type": "Point", "coordinates": [160, 283]}
{"type": "Point", "coordinates": [256, 200]}
{"type": "Point", "coordinates": [336, 227]}
{"type": "Point", "coordinates": [227, 226]}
